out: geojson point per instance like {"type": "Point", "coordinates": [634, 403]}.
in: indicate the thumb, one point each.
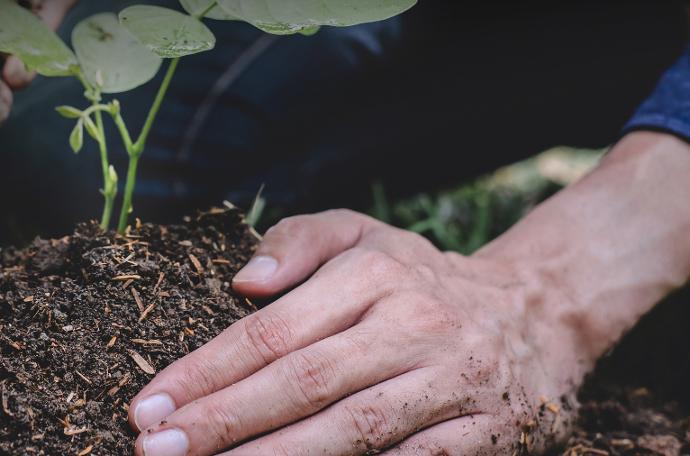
{"type": "Point", "coordinates": [296, 247]}
{"type": "Point", "coordinates": [15, 73]}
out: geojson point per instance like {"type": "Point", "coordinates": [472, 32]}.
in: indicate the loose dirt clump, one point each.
{"type": "Point", "coordinates": [87, 320]}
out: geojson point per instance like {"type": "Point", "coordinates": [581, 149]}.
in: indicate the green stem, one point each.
{"type": "Point", "coordinates": [207, 10]}
{"type": "Point", "coordinates": [129, 191]}
{"type": "Point", "coordinates": [137, 149]}
{"type": "Point", "coordinates": [108, 207]}
{"type": "Point", "coordinates": [109, 185]}
{"type": "Point", "coordinates": [97, 108]}
{"type": "Point", "coordinates": [143, 136]}
{"type": "Point", "coordinates": [124, 132]}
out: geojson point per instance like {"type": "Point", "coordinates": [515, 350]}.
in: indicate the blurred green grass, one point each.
{"type": "Point", "coordinates": [466, 217]}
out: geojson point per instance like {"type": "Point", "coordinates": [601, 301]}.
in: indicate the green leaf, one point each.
{"type": "Point", "coordinates": [91, 128]}
{"type": "Point", "coordinates": [284, 17]}
{"type": "Point", "coordinates": [69, 112]}
{"type": "Point", "coordinates": [111, 58]}
{"type": "Point", "coordinates": [26, 36]}
{"type": "Point", "coordinates": [167, 32]}
{"type": "Point", "coordinates": [309, 31]}
{"type": "Point", "coordinates": [76, 138]}
{"type": "Point", "coordinates": [196, 7]}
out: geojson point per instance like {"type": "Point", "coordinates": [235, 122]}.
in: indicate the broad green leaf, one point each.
{"type": "Point", "coordinates": [26, 36]}
{"type": "Point", "coordinates": [111, 58]}
{"type": "Point", "coordinates": [196, 7]}
{"type": "Point", "coordinates": [76, 138]}
{"type": "Point", "coordinates": [167, 32]}
{"type": "Point", "coordinates": [69, 112]}
{"type": "Point", "coordinates": [284, 17]}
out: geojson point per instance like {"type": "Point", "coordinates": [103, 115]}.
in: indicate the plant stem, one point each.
{"type": "Point", "coordinates": [109, 190]}
{"type": "Point", "coordinates": [141, 141]}
{"type": "Point", "coordinates": [129, 191]}
{"type": "Point", "coordinates": [124, 132]}
{"type": "Point", "coordinates": [135, 150]}
{"type": "Point", "coordinates": [207, 10]}
{"type": "Point", "coordinates": [96, 107]}
{"type": "Point", "coordinates": [109, 187]}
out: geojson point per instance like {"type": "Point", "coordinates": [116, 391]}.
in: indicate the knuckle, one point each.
{"type": "Point", "coordinates": [429, 314]}
{"type": "Point", "coordinates": [370, 425]}
{"type": "Point", "coordinates": [350, 216]}
{"type": "Point", "coordinates": [288, 227]}
{"type": "Point", "coordinates": [379, 265]}
{"type": "Point", "coordinates": [425, 273]}
{"type": "Point", "coordinates": [269, 335]}
{"type": "Point", "coordinates": [222, 424]}
{"type": "Point", "coordinates": [342, 212]}
{"type": "Point", "coordinates": [192, 378]}
{"type": "Point", "coordinates": [312, 376]}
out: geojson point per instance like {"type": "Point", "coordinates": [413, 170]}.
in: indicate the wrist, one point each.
{"type": "Point", "coordinates": [602, 252]}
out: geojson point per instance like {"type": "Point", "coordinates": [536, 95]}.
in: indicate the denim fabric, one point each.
{"type": "Point", "coordinates": [668, 108]}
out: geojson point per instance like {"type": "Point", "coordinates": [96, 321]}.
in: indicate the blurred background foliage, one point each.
{"type": "Point", "coordinates": [466, 217]}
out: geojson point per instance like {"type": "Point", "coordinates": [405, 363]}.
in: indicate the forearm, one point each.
{"type": "Point", "coordinates": [614, 244]}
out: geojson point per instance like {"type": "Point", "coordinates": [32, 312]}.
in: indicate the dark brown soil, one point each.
{"type": "Point", "coordinates": [638, 400]}
{"type": "Point", "coordinates": [87, 319]}
{"type": "Point", "coordinates": [620, 421]}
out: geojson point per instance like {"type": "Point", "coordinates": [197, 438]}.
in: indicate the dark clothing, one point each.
{"type": "Point", "coordinates": [668, 109]}
{"type": "Point", "coordinates": [438, 95]}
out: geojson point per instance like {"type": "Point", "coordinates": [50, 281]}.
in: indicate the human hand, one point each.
{"type": "Point", "coordinates": [15, 76]}
{"type": "Point", "coordinates": [390, 344]}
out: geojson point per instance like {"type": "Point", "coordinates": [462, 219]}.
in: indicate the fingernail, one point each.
{"type": "Point", "coordinates": [152, 410]}
{"type": "Point", "coordinates": [259, 269]}
{"type": "Point", "coordinates": [171, 442]}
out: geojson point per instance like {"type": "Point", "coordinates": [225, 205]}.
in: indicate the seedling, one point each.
{"type": "Point", "coordinates": [113, 54]}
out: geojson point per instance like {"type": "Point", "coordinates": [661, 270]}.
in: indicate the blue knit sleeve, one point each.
{"type": "Point", "coordinates": [668, 108]}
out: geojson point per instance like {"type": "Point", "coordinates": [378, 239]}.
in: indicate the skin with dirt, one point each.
{"type": "Point", "coordinates": [87, 320]}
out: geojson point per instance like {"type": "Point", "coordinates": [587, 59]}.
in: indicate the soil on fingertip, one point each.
{"type": "Point", "coordinates": [87, 320]}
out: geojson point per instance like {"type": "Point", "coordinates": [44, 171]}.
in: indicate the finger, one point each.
{"type": "Point", "coordinates": [293, 387]}
{"type": "Point", "coordinates": [312, 312]}
{"type": "Point", "coordinates": [296, 247]}
{"type": "Point", "coordinates": [53, 12]}
{"type": "Point", "coordinates": [15, 73]}
{"type": "Point", "coordinates": [477, 434]}
{"type": "Point", "coordinates": [6, 99]}
{"type": "Point", "coordinates": [371, 420]}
